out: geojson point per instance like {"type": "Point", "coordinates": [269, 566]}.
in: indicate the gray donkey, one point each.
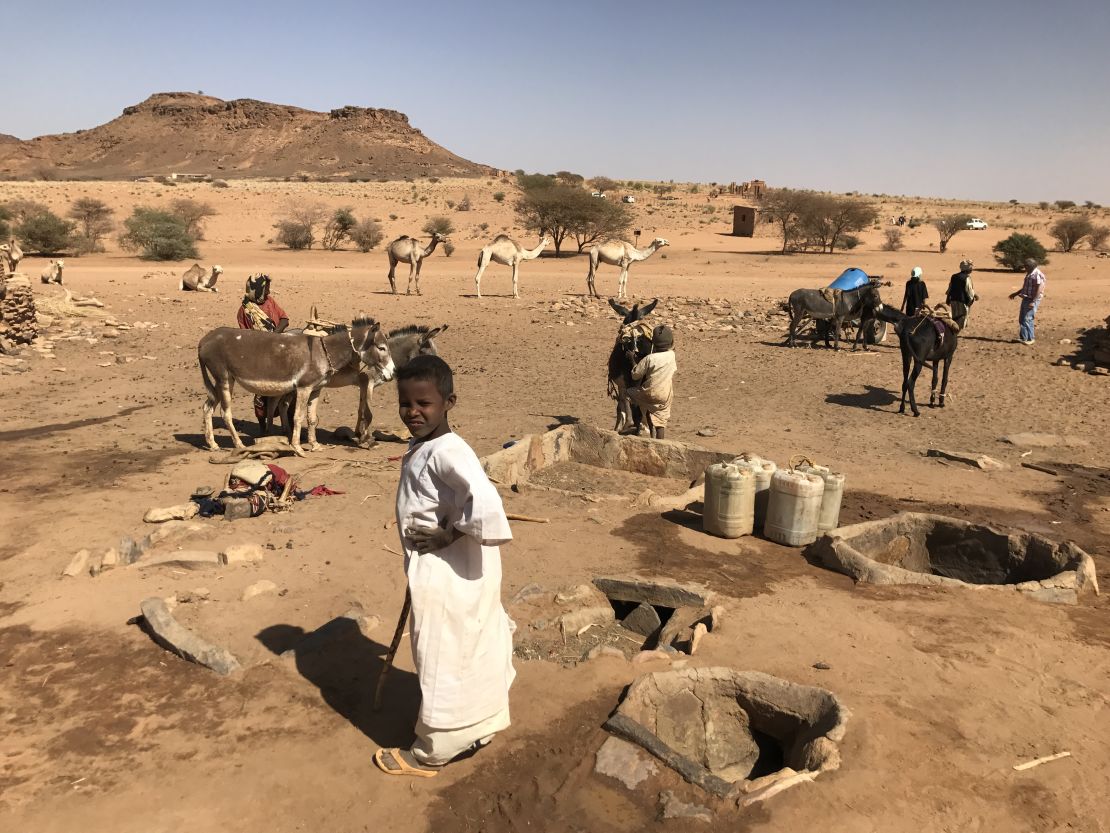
{"type": "Point", "coordinates": [405, 344]}
{"type": "Point", "coordinates": [275, 364]}
{"type": "Point", "coordinates": [834, 305]}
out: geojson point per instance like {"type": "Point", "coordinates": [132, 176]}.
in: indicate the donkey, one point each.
{"type": "Point", "coordinates": [815, 304]}
{"type": "Point", "coordinates": [924, 339]}
{"type": "Point", "coordinates": [405, 344]}
{"type": "Point", "coordinates": [630, 337]}
{"type": "Point", "coordinates": [274, 364]}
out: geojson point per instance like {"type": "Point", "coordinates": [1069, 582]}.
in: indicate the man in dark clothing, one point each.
{"type": "Point", "coordinates": [961, 293]}
{"type": "Point", "coordinates": [916, 293]}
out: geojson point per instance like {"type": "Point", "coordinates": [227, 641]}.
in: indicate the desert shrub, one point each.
{"type": "Point", "coordinates": [450, 203]}
{"type": "Point", "coordinates": [1068, 231]}
{"type": "Point", "coordinates": [157, 235]}
{"type": "Point", "coordinates": [338, 228]}
{"type": "Point", "coordinates": [1097, 237]}
{"type": "Point", "coordinates": [5, 223]}
{"type": "Point", "coordinates": [46, 233]}
{"type": "Point", "coordinates": [392, 216]}
{"type": "Point", "coordinates": [1043, 204]}
{"type": "Point", "coordinates": [20, 209]}
{"type": "Point", "coordinates": [1091, 204]}
{"type": "Point", "coordinates": [433, 179]}
{"type": "Point", "coordinates": [809, 221]}
{"type": "Point", "coordinates": [484, 226]}
{"type": "Point", "coordinates": [294, 235]}
{"type": "Point", "coordinates": [220, 183]}
{"type": "Point", "coordinates": [913, 222]}
{"type": "Point", "coordinates": [366, 235]}
{"type": "Point", "coordinates": [708, 209]}
{"type": "Point", "coordinates": [464, 203]}
{"type": "Point", "coordinates": [94, 220]}
{"type": "Point", "coordinates": [499, 196]}
{"type": "Point", "coordinates": [949, 226]}
{"type": "Point", "coordinates": [1013, 202]}
{"type": "Point", "coordinates": [1064, 205]}
{"type": "Point", "coordinates": [569, 178]}
{"type": "Point", "coordinates": [192, 213]}
{"type": "Point", "coordinates": [448, 248]}
{"type": "Point", "coordinates": [849, 241]}
{"type": "Point", "coordinates": [438, 225]}
{"type": "Point", "coordinates": [892, 240]}
{"type": "Point", "coordinates": [1012, 252]}
{"type": "Point", "coordinates": [534, 182]}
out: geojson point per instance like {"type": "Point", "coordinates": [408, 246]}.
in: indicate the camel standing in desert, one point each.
{"type": "Point", "coordinates": [619, 253]}
{"type": "Point", "coordinates": [507, 252]}
{"type": "Point", "coordinates": [196, 279]}
{"type": "Point", "coordinates": [10, 255]}
{"type": "Point", "coordinates": [53, 272]}
{"type": "Point", "coordinates": [408, 250]}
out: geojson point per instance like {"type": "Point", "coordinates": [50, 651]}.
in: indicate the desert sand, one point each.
{"type": "Point", "coordinates": [948, 689]}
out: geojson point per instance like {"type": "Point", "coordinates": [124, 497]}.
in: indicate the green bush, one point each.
{"type": "Point", "coordinates": [94, 220]}
{"type": "Point", "coordinates": [338, 228]}
{"type": "Point", "coordinates": [366, 235]}
{"type": "Point", "coordinates": [294, 234]}
{"type": "Point", "coordinates": [1013, 251]}
{"type": "Point", "coordinates": [158, 235]}
{"type": "Point", "coordinates": [439, 225]}
{"type": "Point", "coordinates": [848, 241]}
{"type": "Point", "coordinates": [499, 196]}
{"type": "Point", "coordinates": [1097, 237]}
{"type": "Point", "coordinates": [448, 248]}
{"type": "Point", "coordinates": [1064, 205]}
{"type": "Point", "coordinates": [45, 233]}
{"type": "Point", "coordinates": [1042, 205]}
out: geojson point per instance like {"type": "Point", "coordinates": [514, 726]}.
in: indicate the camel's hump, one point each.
{"type": "Point", "coordinates": [502, 237]}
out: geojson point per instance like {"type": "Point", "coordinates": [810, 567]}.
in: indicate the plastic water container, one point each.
{"type": "Point", "coordinates": [762, 469]}
{"type": "Point", "coordinates": [831, 499]}
{"type": "Point", "coordinates": [794, 507]}
{"type": "Point", "coordinates": [729, 507]}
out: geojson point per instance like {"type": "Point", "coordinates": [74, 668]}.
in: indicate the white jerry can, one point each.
{"type": "Point", "coordinates": [729, 506]}
{"type": "Point", "coordinates": [831, 499]}
{"type": "Point", "coordinates": [794, 507]}
{"type": "Point", "coordinates": [762, 469]}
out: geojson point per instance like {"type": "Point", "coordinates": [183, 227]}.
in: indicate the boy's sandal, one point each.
{"type": "Point", "coordinates": [397, 765]}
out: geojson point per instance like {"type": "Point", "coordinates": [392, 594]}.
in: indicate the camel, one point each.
{"type": "Point", "coordinates": [507, 252]}
{"type": "Point", "coordinates": [10, 255]}
{"type": "Point", "coordinates": [407, 249]}
{"type": "Point", "coordinates": [619, 253]}
{"type": "Point", "coordinates": [195, 279]}
{"type": "Point", "coordinates": [53, 272]}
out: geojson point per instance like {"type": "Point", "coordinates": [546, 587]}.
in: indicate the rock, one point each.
{"type": "Point", "coordinates": [707, 432]}
{"type": "Point", "coordinates": [241, 554]}
{"type": "Point", "coordinates": [605, 651]}
{"type": "Point", "coordinates": [650, 656]}
{"type": "Point", "coordinates": [625, 762]}
{"type": "Point", "coordinates": [822, 666]}
{"type": "Point", "coordinates": [670, 807]}
{"type": "Point", "coordinates": [678, 633]}
{"type": "Point", "coordinates": [644, 620]}
{"type": "Point", "coordinates": [573, 621]}
{"type": "Point", "coordinates": [110, 559]}
{"type": "Point", "coordinates": [660, 592]}
{"type": "Point", "coordinates": [131, 550]}
{"type": "Point", "coordinates": [185, 560]}
{"type": "Point", "coordinates": [980, 461]}
{"type": "Point", "coordinates": [259, 588]}
{"type": "Point", "coordinates": [695, 640]}
{"type": "Point", "coordinates": [181, 512]}
{"type": "Point", "coordinates": [170, 634]}
{"type": "Point", "coordinates": [580, 594]}
{"type": "Point", "coordinates": [78, 564]}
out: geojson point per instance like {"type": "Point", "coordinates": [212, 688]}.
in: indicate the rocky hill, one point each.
{"type": "Point", "coordinates": [198, 134]}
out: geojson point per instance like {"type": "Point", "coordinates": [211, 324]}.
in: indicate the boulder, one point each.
{"type": "Point", "coordinates": [644, 620]}
{"type": "Point", "coordinates": [77, 565]}
{"type": "Point", "coordinates": [259, 588]}
{"type": "Point", "coordinates": [241, 554]}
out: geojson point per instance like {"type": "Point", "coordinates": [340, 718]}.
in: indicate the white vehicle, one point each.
{"type": "Point", "coordinates": [976, 224]}
{"type": "Point", "coordinates": [598, 194]}
{"type": "Point", "coordinates": [628, 198]}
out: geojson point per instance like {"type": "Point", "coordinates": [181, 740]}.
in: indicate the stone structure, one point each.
{"type": "Point", "coordinates": [743, 221]}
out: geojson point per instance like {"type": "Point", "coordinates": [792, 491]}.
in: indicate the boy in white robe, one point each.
{"type": "Point", "coordinates": [451, 522]}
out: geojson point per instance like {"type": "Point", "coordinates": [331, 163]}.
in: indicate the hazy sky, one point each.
{"type": "Point", "coordinates": [995, 99]}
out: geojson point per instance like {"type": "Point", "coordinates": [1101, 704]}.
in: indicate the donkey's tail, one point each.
{"type": "Point", "coordinates": [209, 382]}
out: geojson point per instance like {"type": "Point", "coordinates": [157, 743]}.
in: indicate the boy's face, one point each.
{"type": "Point", "coordinates": [422, 407]}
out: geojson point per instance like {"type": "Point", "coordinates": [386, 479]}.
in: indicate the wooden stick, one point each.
{"type": "Point", "coordinates": [1045, 469]}
{"type": "Point", "coordinates": [1038, 761]}
{"type": "Point", "coordinates": [401, 621]}
{"type": "Point", "coordinates": [512, 516]}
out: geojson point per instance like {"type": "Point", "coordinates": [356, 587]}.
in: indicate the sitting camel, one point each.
{"type": "Point", "coordinates": [507, 252]}
{"type": "Point", "coordinates": [408, 250]}
{"type": "Point", "coordinates": [196, 279]}
{"type": "Point", "coordinates": [53, 272]}
{"type": "Point", "coordinates": [619, 253]}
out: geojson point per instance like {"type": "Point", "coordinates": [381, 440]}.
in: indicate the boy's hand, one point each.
{"type": "Point", "coordinates": [425, 539]}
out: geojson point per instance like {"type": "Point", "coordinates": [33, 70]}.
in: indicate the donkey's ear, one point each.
{"type": "Point", "coordinates": [647, 308]}
{"type": "Point", "coordinates": [428, 336]}
{"type": "Point", "coordinates": [623, 312]}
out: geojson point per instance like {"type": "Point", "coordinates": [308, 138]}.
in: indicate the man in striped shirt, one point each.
{"type": "Point", "coordinates": [1031, 293]}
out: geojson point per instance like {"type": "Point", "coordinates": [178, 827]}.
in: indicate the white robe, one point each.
{"type": "Point", "coordinates": [461, 635]}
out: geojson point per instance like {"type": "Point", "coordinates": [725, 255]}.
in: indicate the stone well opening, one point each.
{"type": "Point", "coordinates": [733, 733]}
{"type": "Point", "coordinates": [670, 616]}
{"type": "Point", "coordinates": [918, 548]}
{"type": "Point", "coordinates": [584, 460]}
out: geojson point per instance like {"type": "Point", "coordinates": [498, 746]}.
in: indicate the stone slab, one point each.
{"type": "Point", "coordinates": [659, 592]}
{"type": "Point", "coordinates": [175, 637]}
{"type": "Point", "coordinates": [78, 564]}
{"type": "Point", "coordinates": [185, 560]}
{"type": "Point", "coordinates": [625, 762]}
{"type": "Point", "coordinates": [644, 620]}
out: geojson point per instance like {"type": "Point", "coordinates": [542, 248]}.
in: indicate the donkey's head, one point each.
{"type": "Point", "coordinates": [406, 343]}
{"type": "Point", "coordinates": [369, 342]}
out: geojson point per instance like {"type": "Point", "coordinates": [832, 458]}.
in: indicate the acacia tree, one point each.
{"type": "Point", "coordinates": [789, 209]}
{"type": "Point", "coordinates": [826, 220]}
{"type": "Point", "coordinates": [192, 213]}
{"type": "Point", "coordinates": [1068, 231]}
{"type": "Point", "coordinates": [338, 228]}
{"type": "Point", "coordinates": [94, 221]}
{"type": "Point", "coordinates": [599, 220]}
{"type": "Point", "coordinates": [949, 226]}
{"type": "Point", "coordinates": [601, 184]}
{"type": "Point", "coordinates": [556, 210]}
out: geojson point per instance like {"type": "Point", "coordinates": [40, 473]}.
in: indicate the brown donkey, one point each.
{"type": "Point", "coordinates": [274, 364]}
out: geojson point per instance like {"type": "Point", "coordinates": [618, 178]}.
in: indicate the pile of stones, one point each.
{"type": "Point", "coordinates": [18, 320]}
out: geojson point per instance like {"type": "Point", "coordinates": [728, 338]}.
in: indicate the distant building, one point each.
{"type": "Point", "coordinates": [743, 221]}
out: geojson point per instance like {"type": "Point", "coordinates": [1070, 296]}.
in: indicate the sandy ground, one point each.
{"type": "Point", "coordinates": [948, 689]}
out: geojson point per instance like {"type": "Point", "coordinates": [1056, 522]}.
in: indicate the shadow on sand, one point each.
{"type": "Point", "coordinates": [872, 398]}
